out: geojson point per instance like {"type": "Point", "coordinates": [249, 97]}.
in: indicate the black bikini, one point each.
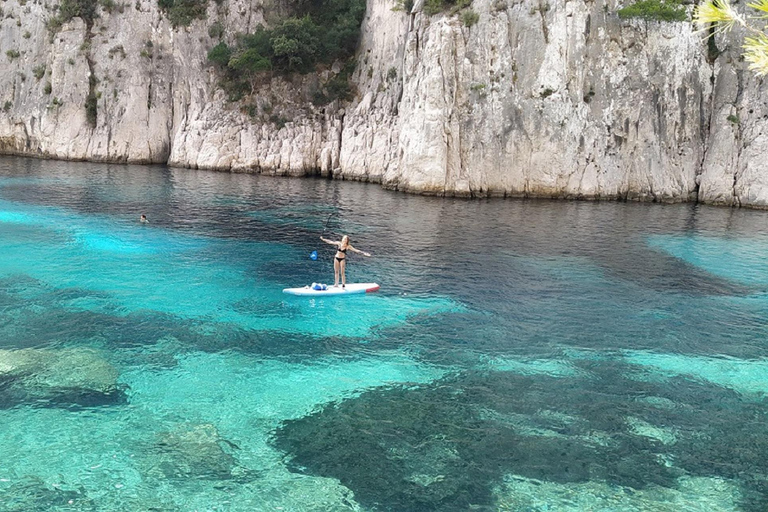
{"type": "Point", "coordinates": [345, 257]}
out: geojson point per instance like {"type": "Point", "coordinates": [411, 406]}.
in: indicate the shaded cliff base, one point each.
{"type": "Point", "coordinates": [11, 146]}
{"type": "Point", "coordinates": [14, 147]}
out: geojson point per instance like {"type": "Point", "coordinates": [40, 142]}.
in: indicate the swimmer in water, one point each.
{"type": "Point", "coordinates": [340, 260]}
{"type": "Point", "coordinates": [143, 219]}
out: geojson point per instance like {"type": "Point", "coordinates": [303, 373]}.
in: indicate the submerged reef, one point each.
{"type": "Point", "coordinates": [32, 311]}
{"type": "Point", "coordinates": [57, 377]}
{"type": "Point", "coordinates": [450, 444]}
{"type": "Point", "coordinates": [193, 451]}
{"type": "Point", "coordinates": [32, 493]}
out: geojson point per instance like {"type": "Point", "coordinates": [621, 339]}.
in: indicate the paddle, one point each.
{"type": "Point", "coordinates": [313, 254]}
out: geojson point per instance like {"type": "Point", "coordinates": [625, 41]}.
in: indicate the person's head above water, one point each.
{"type": "Point", "coordinates": [143, 218]}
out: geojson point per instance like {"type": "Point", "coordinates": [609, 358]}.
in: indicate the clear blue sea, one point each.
{"type": "Point", "coordinates": [520, 355]}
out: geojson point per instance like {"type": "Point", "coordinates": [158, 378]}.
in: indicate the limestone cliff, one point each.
{"type": "Point", "coordinates": [538, 98]}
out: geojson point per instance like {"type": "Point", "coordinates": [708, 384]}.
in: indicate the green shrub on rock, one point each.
{"type": "Point", "coordinates": [220, 54]}
{"type": "Point", "coordinates": [216, 31]}
{"type": "Point", "coordinates": [108, 5]}
{"type": "Point", "coordinates": [68, 9]}
{"type": "Point", "coordinates": [85, 9]}
{"type": "Point", "coordinates": [249, 61]}
{"type": "Point", "coordinates": [182, 12]}
{"type": "Point", "coordinates": [328, 32]}
{"type": "Point", "coordinates": [53, 25]}
{"type": "Point", "coordinates": [296, 44]}
{"type": "Point", "coordinates": [39, 71]}
{"type": "Point", "coordinates": [432, 7]}
{"type": "Point", "coordinates": [657, 10]}
{"type": "Point", "coordinates": [325, 32]}
{"type": "Point", "coordinates": [340, 21]}
{"type": "Point", "coordinates": [337, 88]}
{"type": "Point", "coordinates": [403, 5]}
{"type": "Point", "coordinates": [116, 50]}
{"type": "Point", "coordinates": [469, 17]}
{"type": "Point", "coordinates": [91, 108]}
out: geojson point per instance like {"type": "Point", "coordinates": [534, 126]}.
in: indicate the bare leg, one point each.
{"type": "Point", "coordinates": [335, 272]}
{"type": "Point", "coordinates": [343, 265]}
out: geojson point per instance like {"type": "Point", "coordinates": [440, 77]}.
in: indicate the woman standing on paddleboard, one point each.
{"type": "Point", "coordinates": [340, 260]}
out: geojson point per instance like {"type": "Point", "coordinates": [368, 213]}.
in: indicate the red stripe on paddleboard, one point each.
{"type": "Point", "coordinates": [372, 289]}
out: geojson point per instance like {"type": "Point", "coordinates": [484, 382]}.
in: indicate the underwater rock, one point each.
{"type": "Point", "coordinates": [448, 445]}
{"type": "Point", "coordinates": [194, 451]}
{"type": "Point", "coordinates": [698, 494]}
{"type": "Point", "coordinates": [429, 449]}
{"type": "Point", "coordinates": [32, 493]}
{"type": "Point", "coordinates": [304, 494]}
{"type": "Point", "coordinates": [57, 377]}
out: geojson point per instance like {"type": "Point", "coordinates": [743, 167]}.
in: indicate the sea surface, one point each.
{"type": "Point", "coordinates": [520, 355]}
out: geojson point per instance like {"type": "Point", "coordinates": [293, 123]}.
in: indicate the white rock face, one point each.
{"type": "Point", "coordinates": [558, 99]}
{"type": "Point", "coordinates": [735, 167]}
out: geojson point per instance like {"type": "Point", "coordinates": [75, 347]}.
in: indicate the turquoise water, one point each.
{"type": "Point", "coordinates": [520, 356]}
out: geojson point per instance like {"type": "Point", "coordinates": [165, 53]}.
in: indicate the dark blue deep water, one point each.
{"type": "Point", "coordinates": [520, 356]}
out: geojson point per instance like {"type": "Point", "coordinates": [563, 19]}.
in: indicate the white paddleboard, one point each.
{"type": "Point", "coordinates": [350, 289]}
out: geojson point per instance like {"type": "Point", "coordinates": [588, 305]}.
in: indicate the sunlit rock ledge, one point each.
{"type": "Point", "coordinates": [557, 100]}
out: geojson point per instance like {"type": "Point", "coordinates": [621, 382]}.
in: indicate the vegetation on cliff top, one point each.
{"type": "Point", "coordinates": [326, 32]}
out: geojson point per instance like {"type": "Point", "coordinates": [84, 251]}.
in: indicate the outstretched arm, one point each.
{"type": "Point", "coordinates": [330, 241]}
{"type": "Point", "coordinates": [358, 251]}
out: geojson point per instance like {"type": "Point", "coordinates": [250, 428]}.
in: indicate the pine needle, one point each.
{"type": "Point", "coordinates": [718, 12]}
{"type": "Point", "coordinates": [760, 5]}
{"type": "Point", "coordinates": [756, 53]}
